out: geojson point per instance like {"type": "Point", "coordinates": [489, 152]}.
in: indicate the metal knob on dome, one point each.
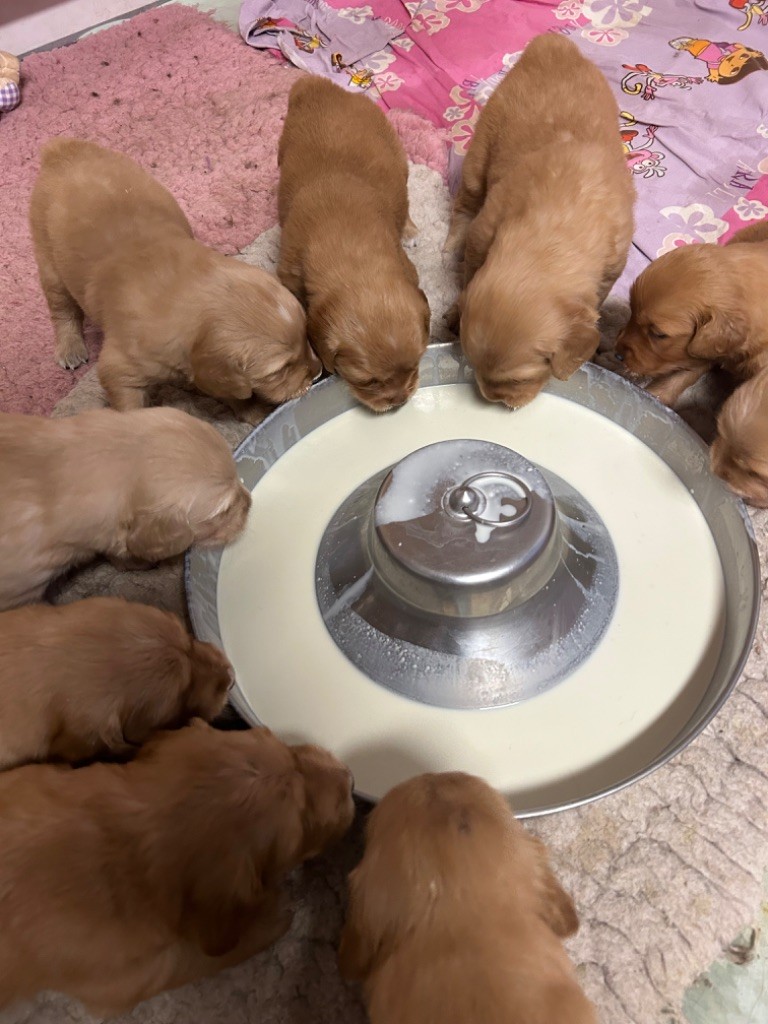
{"type": "Point", "coordinates": [466, 576]}
{"type": "Point", "coordinates": [452, 536]}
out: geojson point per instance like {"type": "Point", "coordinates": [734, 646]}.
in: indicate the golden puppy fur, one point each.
{"type": "Point", "coordinates": [137, 487]}
{"type": "Point", "coordinates": [113, 244]}
{"type": "Point", "coordinates": [739, 454]}
{"type": "Point", "coordinates": [343, 205]}
{"type": "Point", "coordinates": [544, 218]}
{"type": "Point", "coordinates": [98, 677]}
{"type": "Point", "coordinates": [455, 916]}
{"type": "Point", "coordinates": [120, 881]}
{"type": "Point", "coordinates": [696, 307]}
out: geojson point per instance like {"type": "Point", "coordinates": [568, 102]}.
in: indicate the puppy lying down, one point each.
{"type": "Point", "coordinates": [120, 881]}
{"type": "Point", "coordinates": [455, 916]}
{"type": "Point", "coordinates": [98, 677]}
{"type": "Point", "coordinates": [112, 244]}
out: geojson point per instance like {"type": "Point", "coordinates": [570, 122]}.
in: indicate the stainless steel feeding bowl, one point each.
{"type": "Point", "coordinates": [481, 579]}
{"type": "Point", "coordinates": [466, 578]}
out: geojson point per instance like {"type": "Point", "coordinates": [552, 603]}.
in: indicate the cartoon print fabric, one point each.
{"type": "Point", "coordinates": [690, 77]}
{"type": "Point", "coordinates": [315, 37]}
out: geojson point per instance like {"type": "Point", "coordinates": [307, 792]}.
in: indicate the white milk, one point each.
{"type": "Point", "coordinates": [626, 702]}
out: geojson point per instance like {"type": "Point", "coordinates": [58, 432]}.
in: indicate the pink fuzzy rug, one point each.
{"type": "Point", "coordinates": [193, 104]}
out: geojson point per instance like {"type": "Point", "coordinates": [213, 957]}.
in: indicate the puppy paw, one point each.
{"type": "Point", "coordinates": [667, 394]}
{"type": "Point", "coordinates": [453, 318]}
{"type": "Point", "coordinates": [72, 356]}
{"type": "Point", "coordinates": [454, 243]}
{"type": "Point", "coordinates": [251, 411]}
{"type": "Point", "coordinates": [410, 231]}
{"type": "Point", "coordinates": [609, 361]}
{"type": "Point", "coordinates": [129, 564]}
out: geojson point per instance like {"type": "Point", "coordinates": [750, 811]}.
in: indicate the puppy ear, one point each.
{"type": "Point", "coordinates": [716, 334]}
{"type": "Point", "coordinates": [378, 912]}
{"type": "Point", "coordinates": [214, 920]}
{"type": "Point", "coordinates": [210, 675]}
{"type": "Point", "coordinates": [556, 906]}
{"type": "Point", "coordinates": [155, 701]}
{"type": "Point", "coordinates": [216, 371]}
{"type": "Point", "coordinates": [237, 872]}
{"type": "Point", "coordinates": [112, 737]}
{"type": "Point", "coordinates": [320, 333]}
{"type": "Point", "coordinates": [365, 928]}
{"type": "Point", "coordinates": [454, 314]}
{"type": "Point", "coordinates": [154, 536]}
{"type": "Point", "coordinates": [580, 343]}
{"type": "Point", "coordinates": [427, 313]}
{"type": "Point", "coordinates": [125, 732]}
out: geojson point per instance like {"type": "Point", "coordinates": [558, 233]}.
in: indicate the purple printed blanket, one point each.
{"type": "Point", "coordinates": [691, 78]}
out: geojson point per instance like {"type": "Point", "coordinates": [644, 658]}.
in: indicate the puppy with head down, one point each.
{"type": "Point", "coordinates": [544, 219]}
{"type": "Point", "coordinates": [136, 487]}
{"type": "Point", "coordinates": [739, 454]}
{"type": "Point", "coordinates": [455, 916]}
{"type": "Point", "coordinates": [120, 881]}
{"type": "Point", "coordinates": [112, 244]}
{"type": "Point", "coordinates": [697, 307]}
{"type": "Point", "coordinates": [96, 678]}
{"type": "Point", "coordinates": [343, 206]}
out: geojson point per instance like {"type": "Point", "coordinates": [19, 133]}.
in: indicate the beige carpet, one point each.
{"type": "Point", "coordinates": [664, 874]}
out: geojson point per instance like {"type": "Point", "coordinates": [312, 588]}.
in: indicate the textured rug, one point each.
{"type": "Point", "coordinates": [665, 874]}
{"type": "Point", "coordinates": [188, 100]}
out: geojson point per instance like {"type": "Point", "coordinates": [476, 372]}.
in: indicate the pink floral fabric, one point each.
{"type": "Point", "coordinates": [691, 78]}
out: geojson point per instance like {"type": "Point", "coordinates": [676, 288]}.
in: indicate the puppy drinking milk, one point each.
{"type": "Point", "coordinates": [343, 206]}
{"type": "Point", "coordinates": [137, 487]}
{"type": "Point", "coordinates": [120, 881]}
{"type": "Point", "coordinates": [98, 677]}
{"type": "Point", "coordinates": [697, 307]}
{"type": "Point", "coordinates": [739, 454]}
{"type": "Point", "coordinates": [455, 916]}
{"type": "Point", "coordinates": [113, 244]}
{"type": "Point", "coordinates": [543, 216]}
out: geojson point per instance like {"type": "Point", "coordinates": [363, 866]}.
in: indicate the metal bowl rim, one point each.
{"type": "Point", "coordinates": [682, 741]}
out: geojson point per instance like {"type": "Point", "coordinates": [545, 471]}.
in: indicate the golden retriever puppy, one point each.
{"type": "Point", "coordinates": [96, 678]}
{"type": "Point", "coordinates": [739, 454]}
{"type": "Point", "coordinates": [113, 244]}
{"type": "Point", "coordinates": [137, 487]}
{"type": "Point", "coordinates": [120, 881]}
{"type": "Point", "coordinates": [696, 307]}
{"type": "Point", "coordinates": [455, 916]}
{"type": "Point", "coordinates": [544, 218]}
{"type": "Point", "coordinates": [343, 206]}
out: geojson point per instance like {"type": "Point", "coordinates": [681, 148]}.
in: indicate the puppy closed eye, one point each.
{"type": "Point", "coordinates": [747, 470]}
{"type": "Point", "coordinates": [656, 335]}
{"type": "Point", "coordinates": [512, 382]}
{"type": "Point", "coordinates": [280, 372]}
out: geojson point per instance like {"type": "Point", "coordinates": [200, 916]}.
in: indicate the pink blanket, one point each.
{"type": "Point", "coordinates": [689, 75]}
